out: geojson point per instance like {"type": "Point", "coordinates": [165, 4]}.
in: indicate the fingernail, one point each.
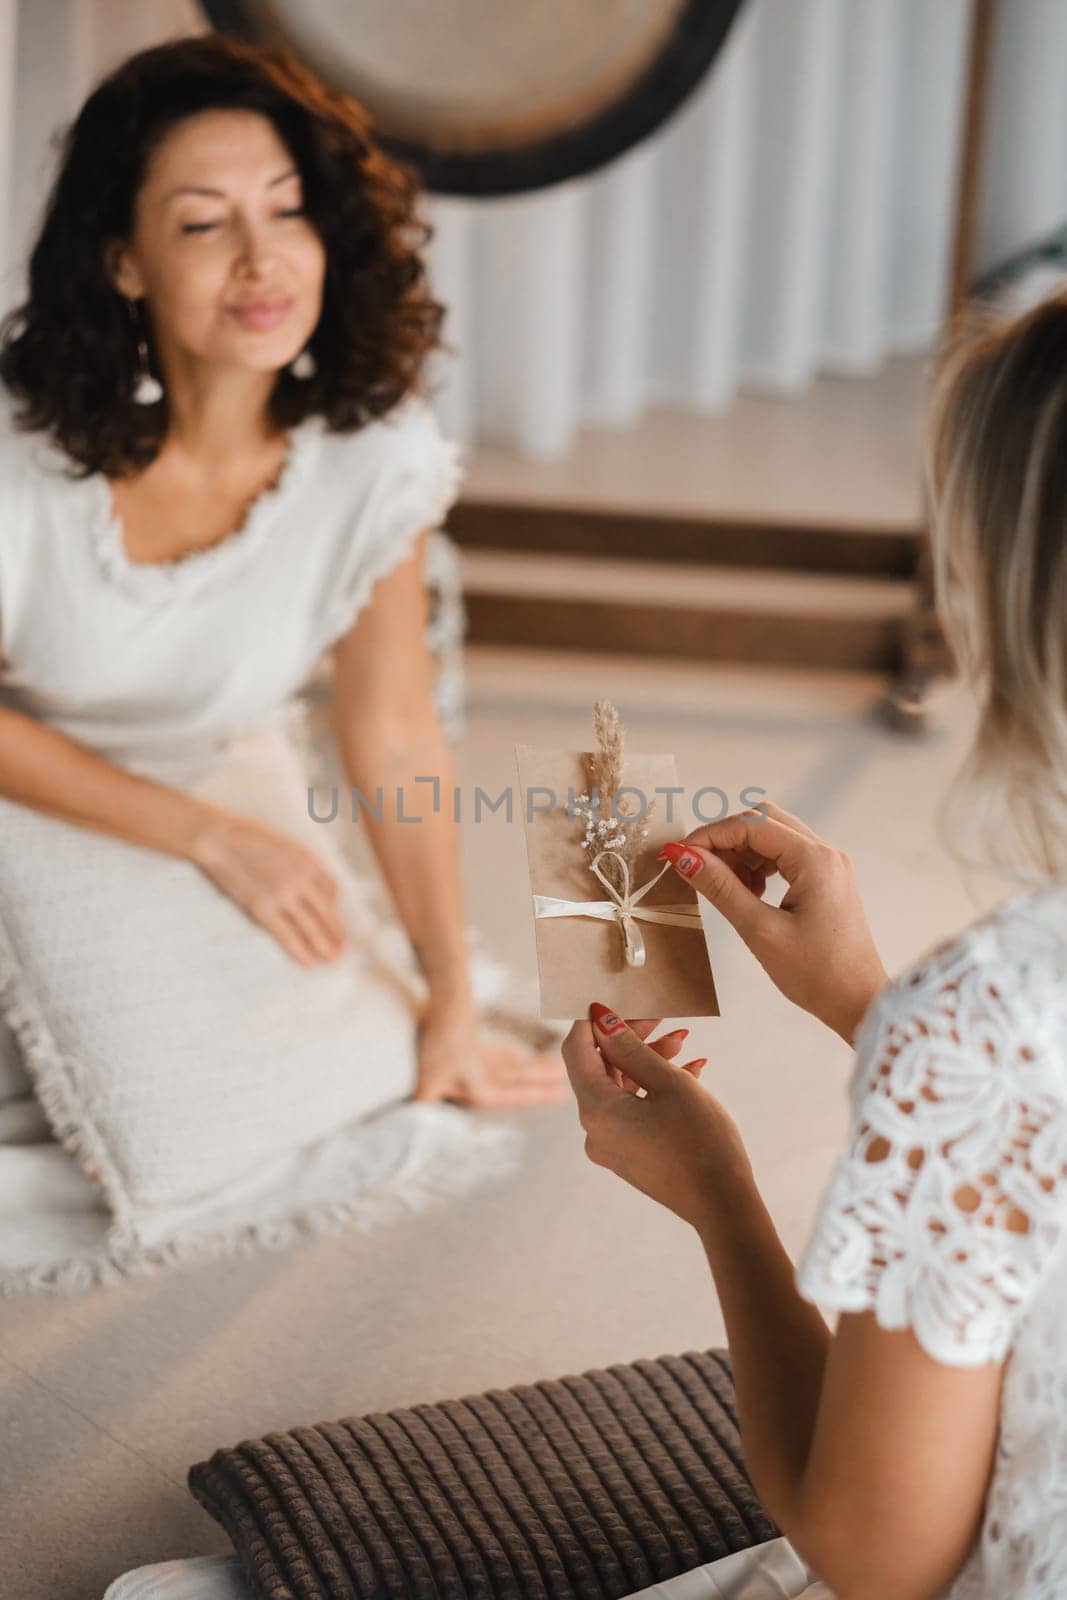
{"type": "Point", "coordinates": [605, 1019]}
{"type": "Point", "coordinates": [677, 1033]}
{"type": "Point", "coordinates": [701, 1061]}
{"type": "Point", "coordinates": [681, 859]}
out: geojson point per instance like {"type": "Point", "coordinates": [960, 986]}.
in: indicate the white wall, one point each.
{"type": "Point", "coordinates": [7, 135]}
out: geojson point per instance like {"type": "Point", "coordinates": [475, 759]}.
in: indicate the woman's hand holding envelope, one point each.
{"type": "Point", "coordinates": [675, 1142]}
{"type": "Point", "coordinates": [816, 946]}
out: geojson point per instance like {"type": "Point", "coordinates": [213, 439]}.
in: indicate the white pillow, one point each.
{"type": "Point", "coordinates": [14, 1079]}
{"type": "Point", "coordinates": [182, 1056]}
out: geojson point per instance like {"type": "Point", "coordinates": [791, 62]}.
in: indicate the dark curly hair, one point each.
{"type": "Point", "coordinates": [69, 355]}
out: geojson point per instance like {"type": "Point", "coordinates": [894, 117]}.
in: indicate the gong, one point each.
{"type": "Point", "coordinates": [491, 97]}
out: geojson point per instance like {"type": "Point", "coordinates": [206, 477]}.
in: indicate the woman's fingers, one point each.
{"type": "Point", "coordinates": [506, 1061]}
{"type": "Point", "coordinates": [777, 843]}
{"type": "Point", "coordinates": [670, 1044]}
{"type": "Point", "coordinates": [599, 1060]}
{"type": "Point", "coordinates": [754, 879]}
{"type": "Point", "coordinates": [667, 1047]}
{"type": "Point", "coordinates": [331, 887]}
{"type": "Point", "coordinates": [509, 1065]}
{"type": "Point", "coordinates": [721, 886]}
{"type": "Point", "coordinates": [623, 1049]}
{"type": "Point", "coordinates": [316, 936]}
{"type": "Point", "coordinates": [291, 936]}
{"type": "Point", "coordinates": [331, 919]}
{"type": "Point", "coordinates": [585, 1066]}
{"type": "Point", "coordinates": [520, 1094]}
{"type": "Point", "coordinates": [744, 837]}
{"type": "Point", "coordinates": [503, 1099]}
{"type": "Point", "coordinates": [782, 848]}
{"type": "Point", "coordinates": [325, 919]}
{"type": "Point", "coordinates": [543, 1066]}
{"type": "Point", "coordinates": [504, 1075]}
{"type": "Point", "coordinates": [749, 864]}
{"type": "Point", "coordinates": [780, 814]}
{"type": "Point", "coordinates": [514, 1088]}
{"type": "Point", "coordinates": [643, 1026]}
{"type": "Point", "coordinates": [694, 1069]}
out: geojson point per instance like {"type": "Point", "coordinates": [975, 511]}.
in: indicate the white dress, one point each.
{"type": "Point", "coordinates": [157, 665]}
{"type": "Point", "coordinates": [187, 672]}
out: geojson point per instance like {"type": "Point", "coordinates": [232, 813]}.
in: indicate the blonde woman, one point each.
{"type": "Point", "coordinates": [920, 1450]}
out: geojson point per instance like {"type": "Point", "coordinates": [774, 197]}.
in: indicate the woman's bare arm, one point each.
{"type": "Point", "coordinates": [274, 878]}
{"type": "Point", "coordinates": [55, 774]}
{"type": "Point", "coordinates": [389, 737]}
{"type": "Point", "coordinates": [873, 1458]}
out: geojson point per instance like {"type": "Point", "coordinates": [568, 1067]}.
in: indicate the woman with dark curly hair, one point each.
{"type": "Point", "coordinates": [218, 466]}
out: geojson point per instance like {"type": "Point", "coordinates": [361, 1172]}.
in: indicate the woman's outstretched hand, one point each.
{"type": "Point", "coordinates": [675, 1142]}
{"type": "Point", "coordinates": [279, 882]}
{"type": "Point", "coordinates": [816, 945]}
{"type": "Point", "coordinates": [457, 1062]}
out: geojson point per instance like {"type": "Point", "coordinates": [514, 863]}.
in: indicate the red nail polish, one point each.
{"type": "Point", "coordinates": [677, 1033]}
{"type": "Point", "coordinates": [681, 859]}
{"type": "Point", "coordinates": [605, 1019]}
{"type": "Point", "coordinates": [701, 1061]}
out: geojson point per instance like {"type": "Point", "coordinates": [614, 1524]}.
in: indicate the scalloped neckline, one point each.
{"type": "Point", "coordinates": [191, 571]}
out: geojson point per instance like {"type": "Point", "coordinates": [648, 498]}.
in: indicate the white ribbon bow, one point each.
{"type": "Point", "coordinates": [624, 907]}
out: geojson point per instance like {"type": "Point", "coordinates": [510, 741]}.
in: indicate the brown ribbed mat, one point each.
{"type": "Point", "coordinates": [577, 1488]}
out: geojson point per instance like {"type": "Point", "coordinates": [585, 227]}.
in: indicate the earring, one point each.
{"type": "Point", "coordinates": [304, 366]}
{"type": "Point", "coordinates": [147, 390]}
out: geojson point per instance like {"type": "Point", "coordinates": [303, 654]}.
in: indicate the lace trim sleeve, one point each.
{"type": "Point", "coordinates": [950, 1197]}
{"type": "Point", "coordinates": [420, 481]}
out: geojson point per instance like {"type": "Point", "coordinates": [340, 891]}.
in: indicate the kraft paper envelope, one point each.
{"type": "Point", "coordinates": [581, 957]}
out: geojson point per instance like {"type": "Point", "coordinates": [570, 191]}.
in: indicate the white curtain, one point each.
{"type": "Point", "coordinates": [51, 54]}
{"type": "Point", "coordinates": [794, 217]}
{"type": "Point", "coordinates": [1026, 174]}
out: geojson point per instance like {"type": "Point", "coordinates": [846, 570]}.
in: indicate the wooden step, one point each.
{"type": "Point", "coordinates": [665, 608]}
{"type": "Point", "coordinates": [870, 550]}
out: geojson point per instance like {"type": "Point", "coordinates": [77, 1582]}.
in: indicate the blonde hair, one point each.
{"type": "Point", "coordinates": [996, 467]}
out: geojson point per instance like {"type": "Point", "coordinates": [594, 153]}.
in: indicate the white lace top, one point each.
{"type": "Point", "coordinates": [947, 1210]}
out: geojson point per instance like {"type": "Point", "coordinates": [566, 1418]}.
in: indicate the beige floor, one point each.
{"type": "Point", "coordinates": [107, 1398]}
{"type": "Point", "coordinates": [765, 457]}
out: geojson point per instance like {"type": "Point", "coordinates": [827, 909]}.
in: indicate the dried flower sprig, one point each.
{"type": "Point", "coordinates": [607, 826]}
{"type": "Point", "coordinates": [605, 763]}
